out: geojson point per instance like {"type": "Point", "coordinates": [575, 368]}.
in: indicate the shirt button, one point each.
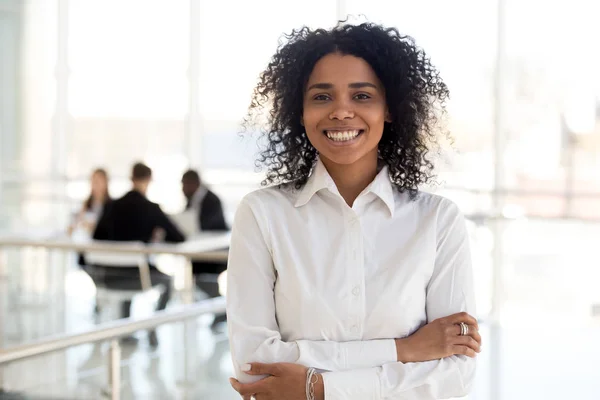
{"type": "Point", "coordinates": [356, 291]}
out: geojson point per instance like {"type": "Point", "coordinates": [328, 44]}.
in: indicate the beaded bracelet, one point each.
{"type": "Point", "coordinates": [310, 383]}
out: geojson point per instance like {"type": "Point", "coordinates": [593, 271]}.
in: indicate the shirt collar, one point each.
{"type": "Point", "coordinates": [198, 196]}
{"type": "Point", "coordinates": [320, 179]}
{"type": "Point", "coordinates": [382, 187]}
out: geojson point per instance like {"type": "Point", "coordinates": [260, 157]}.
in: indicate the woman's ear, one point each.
{"type": "Point", "coordinates": [302, 121]}
{"type": "Point", "coordinates": [388, 116]}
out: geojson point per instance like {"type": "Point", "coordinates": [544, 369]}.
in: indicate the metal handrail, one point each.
{"type": "Point", "coordinates": [191, 250]}
{"type": "Point", "coordinates": [111, 330]}
{"type": "Point", "coordinates": [182, 249]}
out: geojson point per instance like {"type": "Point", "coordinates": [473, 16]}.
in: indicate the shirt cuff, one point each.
{"type": "Point", "coordinates": [373, 353]}
{"type": "Point", "coordinates": [352, 385]}
{"type": "Point", "coordinates": [334, 356]}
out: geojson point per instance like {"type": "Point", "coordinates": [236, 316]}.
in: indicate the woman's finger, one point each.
{"type": "Point", "coordinates": [469, 342]}
{"type": "Point", "coordinates": [463, 350]}
{"type": "Point", "coordinates": [475, 335]}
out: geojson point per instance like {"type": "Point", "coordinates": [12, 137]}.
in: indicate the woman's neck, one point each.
{"type": "Point", "coordinates": [352, 179]}
{"type": "Point", "coordinates": [98, 198]}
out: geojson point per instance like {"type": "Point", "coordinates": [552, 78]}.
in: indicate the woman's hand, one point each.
{"type": "Point", "coordinates": [439, 339]}
{"type": "Point", "coordinates": [285, 381]}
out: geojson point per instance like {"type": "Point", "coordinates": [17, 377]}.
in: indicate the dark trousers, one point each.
{"type": "Point", "coordinates": [206, 274]}
{"type": "Point", "coordinates": [202, 267]}
{"type": "Point", "coordinates": [128, 278]}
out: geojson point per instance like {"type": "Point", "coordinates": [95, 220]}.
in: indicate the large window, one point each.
{"type": "Point", "coordinates": [128, 91]}
{"type": "Point", "coordinates": [552, 91]}
{"type": "Point", "coordinates": [28, 57]}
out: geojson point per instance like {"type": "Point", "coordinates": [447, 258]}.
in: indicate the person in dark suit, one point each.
{"type": "Point", "coordinates": [135, 218]}
{"type": "Point", "coordinates": [210, 217]}
{"type": "Point", "coordinates": [210, 211]}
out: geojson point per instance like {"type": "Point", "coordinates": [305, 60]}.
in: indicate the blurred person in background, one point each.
{"type": "Point", "coordinates": [345, 280]}
{"type": "Point", "coordinates": [205, 208]}
{"type": "Point", "coordinates": [205, 203]}
{"type": "Point", "coordinates": [85, 219]}
{"type": "Point", "coordinates": [94, 205]}
{"type": "Point", "coordinates": [135, 218]}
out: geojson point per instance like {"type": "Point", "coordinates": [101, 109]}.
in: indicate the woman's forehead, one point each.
{"type": "Point", "coordinates": [342, 69]}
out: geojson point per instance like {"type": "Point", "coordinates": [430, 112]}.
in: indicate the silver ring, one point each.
{"type": "Point", "coordinates": [464, 329]}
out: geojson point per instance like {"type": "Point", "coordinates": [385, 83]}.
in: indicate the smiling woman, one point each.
{"type": "Point", "coordinates": [345, 281]}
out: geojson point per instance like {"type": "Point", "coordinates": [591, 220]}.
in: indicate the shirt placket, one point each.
{"type": "Point", "coordinates": [355, 277]}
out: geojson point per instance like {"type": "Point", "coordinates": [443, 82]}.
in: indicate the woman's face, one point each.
{"type": "Point", "coordinates": [344, 109]}
{"type": "Point", "coordinates": [99, 184]}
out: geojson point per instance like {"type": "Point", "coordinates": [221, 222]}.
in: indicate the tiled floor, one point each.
{"type": "Point", "coordinates": [537, 353]}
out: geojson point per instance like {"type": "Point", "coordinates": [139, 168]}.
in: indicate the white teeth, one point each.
{"type": "Point", "coordinates": [342, 136]}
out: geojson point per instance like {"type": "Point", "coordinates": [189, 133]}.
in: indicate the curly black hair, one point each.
{"type": "Point", "coordinates": [415, 96]}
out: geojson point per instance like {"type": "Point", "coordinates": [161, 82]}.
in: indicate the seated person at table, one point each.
{"type": "Point", "coordinates": [135, 218]}
{"type": "Point", "coordinates": [207, 210]}
{"type": "Point", "coordinates": [93, 207]}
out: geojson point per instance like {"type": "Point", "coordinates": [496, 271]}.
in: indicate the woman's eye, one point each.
{"type": "Point", "coordinates": [321, 97]}
{"type": "Point", "coordinates": [362, 96]}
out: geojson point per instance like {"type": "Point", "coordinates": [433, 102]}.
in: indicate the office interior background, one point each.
{"type": "Point", "coordinates": [87, 84]}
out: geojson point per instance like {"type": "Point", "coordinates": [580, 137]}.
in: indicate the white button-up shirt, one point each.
{"type": "Point", "coordinates": [315, 282]}
{"type": "Point", "coordinates": [196, 201]}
